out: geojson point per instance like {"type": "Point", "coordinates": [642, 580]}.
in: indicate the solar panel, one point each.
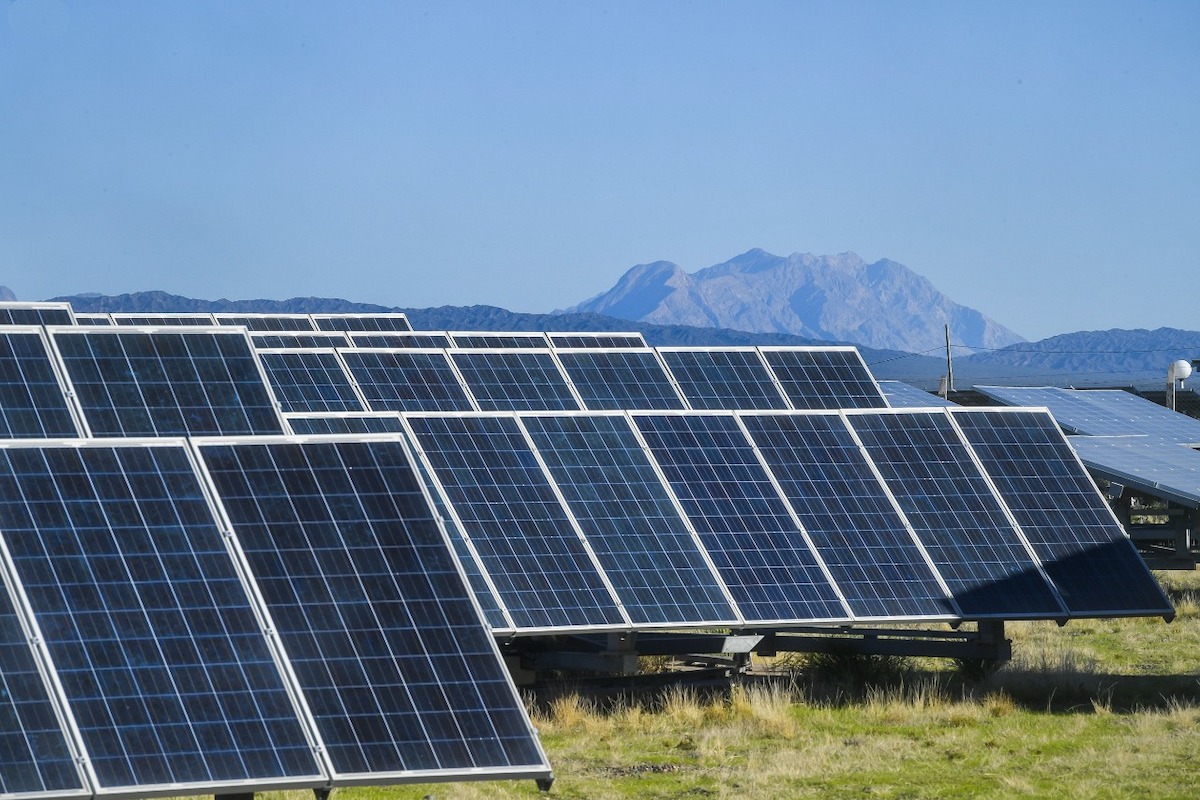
{"type": "Point", "coordinates": [93, 319]}
{"type": "Point", "coordinates": [493, 340]}
{"type": "Point", "coordinates": [620, 379]}
{"type": "Point", "coordinates": [17, 313]}
{"type": "Point", "coordinates": [396, 666]}
{"type": "Point", "coordinates": [902, 395]}
{"type": "Point", "coordinates": [407, 380]}
{"type": "Point", "coordinates": [1161, 469]}
{"type": "Point", "coordinates": [403, 339]}
{"type": "Point", "coordinates": [1071, 529]}
{"type": "Point", "coordinates": [310, 380]}
{"type": "Point", "coordinates": [266, 322]}
{"type": "Point", "coordinates": [32, 400]}
{"type": "Point", "coordinates": [384, 322]}
{"type": "Point", "coordinates": [161, 659]}
{"type": "Point", "coordinates": [723, 378]}
{"type": "Point", "coordinates": [644, 545]}
{"type": "Point", "coordinates": [508, 510]}
{"type": "Point", "coordinates": [742, 521]}
{"type": "Point", "coordinates": [588, 339]}
{"type": "Point", "coordinates": [824, 378]}
{"type": "Point", "coordinates": [162, 382]}
{"type": "Point", "coordinates": [298, 339]}
{"type": "Point", "coordinates": [35, 757]}
{"type": "Point", "coordinates": [514, 380]}
{"type": "Point", "coordinates": [850, 519]}
{"type": "Point", "coordinates": [956, 516]}
{"type": "Point", "coordinates": [163, 320]}
{"type": "Point", "coordinates": [1076, 411]}
{"type": "Point", "coordinates": [351, 422]}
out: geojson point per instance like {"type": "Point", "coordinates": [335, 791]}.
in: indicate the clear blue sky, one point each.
{"type": "Point", "coordinates": [1037, 161]}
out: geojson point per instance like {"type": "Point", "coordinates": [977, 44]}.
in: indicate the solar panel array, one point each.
{"type": "Point", "coordinates": [250, 609]}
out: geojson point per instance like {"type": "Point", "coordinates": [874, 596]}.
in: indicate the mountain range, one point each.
{"type": "Point", "coordinates": [841, 297]}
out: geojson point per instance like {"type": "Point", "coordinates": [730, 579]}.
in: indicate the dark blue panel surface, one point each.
{"type": "Point", "coordinates": [345, 423]}
{"type": "Point", "coordinates": [194, 320]}
{"type": "Point", "coordinates": [824, 379]}
{"type": "Point", "coordinates": [36, 314]}
{"type": "Point", "coordinates": [620, 379]}
{"type": "Point", "coordinates": [627, 515]}
{"type": "Point", "coordinates": [310, 381]}
{"type": "Point", "coordinates": [741, 519]}
{"type": "Point", "coordinates": [514, 381]}
{"type": "Point", "coordinates": [521, 531]}
{"type": "Point", "coordinates": [264, 341]}
{"type": "Point", "coordinates": [948, 502]}
{"type": "Point", "coordinates": [418, 380]}
{"type": "Point", "coordinates": [607, 340]}
{"type": "Point", "coordinates": [388, 322]}
{"type": "Point", "coordinates": [396, 665]}
{"type": "Point", "coordinates": [485, 341]}
{"type": "Point", "coordinates": [723, 379]}
{"type": "Point", "coordinates": [34, 756]}
{"type": "Point", "coordinates": [161, 657]}
{"type": "Point", "coordinates": [1082, 547]}
{"type": "Point", "coordinates": [32, 403]}
{"type": "Point", "coordinates": [848, 516]}
{"type": "Point", "coordinates": [267, 322]}
{"type": "Point", "coordinates": [401, 340]}
{"type": "Point", "coordinates": [162, 383]}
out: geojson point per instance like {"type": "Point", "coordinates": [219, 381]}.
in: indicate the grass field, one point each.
{"type": "Point", "coordinates": [1095, 709]}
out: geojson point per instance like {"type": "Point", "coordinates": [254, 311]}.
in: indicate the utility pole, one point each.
{"type": "Point", "coordinates": [949, 385]}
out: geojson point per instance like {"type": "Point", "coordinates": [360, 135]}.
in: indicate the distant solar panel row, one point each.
{"type": "Point", "coordinates": [135, 655]}
{"type": "Point", "coordinates": [589, 520]}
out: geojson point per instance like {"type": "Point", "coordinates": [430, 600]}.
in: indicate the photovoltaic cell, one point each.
{"type": "Point", "coordinates": [408, 380]}
{"type": "Point", "coordinates": [310, 380]}
{"type": "Point", "coordinates": [848, 515]}
{"type": "Point", "coordinates": [167, 382]}
{"type": "Point", "coordinates": [32, 402]}
{"type": "Point", "coordinates": [508, 510]}
{"type": "Point", "coordinates": [267, 322]}
{"type": "Point", "coordinates": [824, 378]}
{"type": "Point", "coordinates": [955, 514]}
{"type": "Point", "coordinates": [164, 320]}
{"type": "Point", "coordinates": [740, 517]}
{"type": "Point", "coordinates": [344, 423]}
{"type": "Point", "coordinates": [34, 755]}
{"type": "Point", "coordinates": [605, 340]}
{"type": "Point", "coordinates": [378, 624]}
{"type": "Point", "coordinates": [723, 379]}
{"type": "Point", "coordinates": [620, 379]}
{"type": "Point", "coordinates": [1068, 524]}
{"type": "Point", "coordinates": [161, 658]}
{"type": "Point", "coordinates": [639, 538]}
{"type": "Point", "coordinates": [514, 380]}
{"type": "Point", "coordinates": [387, 322]}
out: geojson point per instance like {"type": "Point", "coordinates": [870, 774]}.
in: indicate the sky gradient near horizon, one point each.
{"type": "Point", "coordinates": [1037, 162]}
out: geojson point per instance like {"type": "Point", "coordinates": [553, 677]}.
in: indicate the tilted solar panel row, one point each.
{"type": "Point", "coordinates": [600, 521]}
{"type": "Point", "coordinates": [244, 614]}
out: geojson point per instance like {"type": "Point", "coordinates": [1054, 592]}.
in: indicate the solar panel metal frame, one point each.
{"type": "Point", "coordinates": [254, 603]}
{"type": "Point", "coordinates": [784, 403]}
{"type": "Point", "coordinates": [542, 771]}
{"type": "Point", "coordinates": [59, 374]}
{"type": "Point", "coordinates": [560, 352]}
{"type": "Point", "coordinates": [289, 416]}
{"type": "Point", "coordinates": [301, 351]}
{"type": "Point", "coordinates": [626, 623]}
{"type": "Point", "coordinates": [468, 353]}
{"type": "Point", "coordinates": [8, 306]}
{"type": "Point", "coordinates": [765, 350]}
{"type": "Point", "coordinates": [114, 330]}
{"type": "Point", "coordinates": [362, 317]}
